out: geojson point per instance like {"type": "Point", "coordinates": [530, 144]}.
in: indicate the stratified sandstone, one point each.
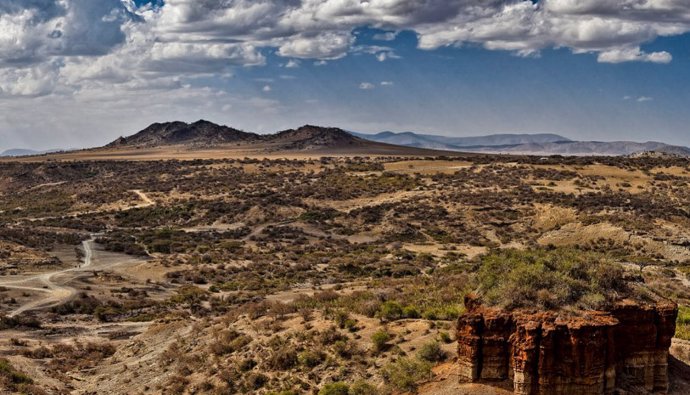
{"type": "Point", "coordinates": [547, 353]}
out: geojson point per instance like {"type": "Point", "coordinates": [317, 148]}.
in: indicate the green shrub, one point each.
{"type": "Point", "coordinates": [683, 323]}
{"type": "Point", "coordinates": [380, 340]}
{"type": "Point", "coordinates": [549, 279]}
{"type": "Point", "coordinates": [335, 389]}
{"type": "Point", "coordinates": [345, 348]}
{"type": "Point", "coordinates": [13, 376]}
{"type": "Point", "coordinates": [431, 352]}
{"type": "Point", "coordinates": [405, 373]}
{"type": "Point", "coordinates": [344, 321]}
{"type": "Point", "coordinates": [390, 311]}
{"type": "Point", "coordinates": [445, 337]}
{"type": "Point", "coordinates": [410, 312]}
{"type": "Point", "coordinates": [362, 388]}
{"type": "Point", "coordinates": [310, 359]}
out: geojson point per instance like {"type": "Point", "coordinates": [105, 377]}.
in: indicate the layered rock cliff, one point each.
{"type": "Point", "coordinates": [624, 349]}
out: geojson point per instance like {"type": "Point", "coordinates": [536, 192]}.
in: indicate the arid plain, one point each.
{"type": "Point", "coordinates": [235, 270]}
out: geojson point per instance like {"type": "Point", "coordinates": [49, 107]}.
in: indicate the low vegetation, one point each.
{"type": "Point", "coordinates": [551, 278]}
{"type": "Point", "coordinates": [317, 276]}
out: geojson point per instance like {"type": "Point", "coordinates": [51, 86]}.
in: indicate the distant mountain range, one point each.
{"type": "Point", "coordinates": [204, 134]}
{"type": "Point", "coordinates": [524, 144]}
{"type": "Point", "coordinates": [460, 143]}
{"type": "Point", "coordinates": [26, 152]}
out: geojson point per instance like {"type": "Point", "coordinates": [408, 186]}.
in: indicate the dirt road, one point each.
{"type": "Point", "coordinates": [53, 287]}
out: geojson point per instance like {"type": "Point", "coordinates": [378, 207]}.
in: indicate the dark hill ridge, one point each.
{"type": "Point", "coordinates": [310, 137]}
{"type": "Point", "coordinates": [200, 133]}
{"type": "Point", "coordinates": [207, 134]}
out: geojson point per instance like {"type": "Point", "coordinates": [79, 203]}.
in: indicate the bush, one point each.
{"type": "Point", "coordinates": [390, 311]}
{"type": "Point", "coordinates": [283, 359]}
{"type": "Point", "coordinates": [431, 352]}
{"type": "Point", "coordinates": [683, 323]}
{"type": "Point", "coordinates": [345, 348]}
{"type": "Point", "coordinates": [550, 279]}
{"type": "Point", "coordinates": [12, 376]}
{"type": "Point", "coordinates": [410, 312]}
{"type": "Point", "coordinates": [362, 388]}
{"type": "Point", "coordinates": [380, 340]}
{"type": "Point", "coordinates": [14, 381]}
{"type": "Point", "coordinates": [310, 359]}
{"type": "Point", "coordinates": [405, 373]}
{"type": "Point", "coordinates": [445, 337]}
{"type": "Point", "coordinates": [335, 389]}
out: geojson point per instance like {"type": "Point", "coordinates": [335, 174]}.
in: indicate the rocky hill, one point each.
{"type": "Point", "coordinates": [200, 133]}
{"type": "Point", "coordinates": [311, 137]}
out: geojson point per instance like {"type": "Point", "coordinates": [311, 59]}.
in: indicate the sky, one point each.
{"type": "Point", "coordinates": [80, 73]}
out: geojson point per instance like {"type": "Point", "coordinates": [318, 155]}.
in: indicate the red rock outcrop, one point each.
{"type": "Point", "coordinates": [625, 349]}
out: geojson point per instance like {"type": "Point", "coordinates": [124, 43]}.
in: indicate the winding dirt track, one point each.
{"type": "Point", "coordinates": [54, 285]}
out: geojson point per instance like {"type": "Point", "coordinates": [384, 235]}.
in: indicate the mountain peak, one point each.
{"type": "Point", "coordinates": [312, 136]}
{"type": "Point", "coordinates": [199, 133]}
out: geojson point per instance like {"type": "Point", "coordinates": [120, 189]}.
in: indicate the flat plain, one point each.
{"type": "Point", "coordinates": [233, 271]}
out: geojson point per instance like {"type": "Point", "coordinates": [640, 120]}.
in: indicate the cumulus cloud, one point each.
{"type": "Point", "coordinates": [620, 55]}
{"type": "Point", "coordinates": [329, 45]}
{"type": "Point", "coordinates": [48, 45]}
{"type": "Point", "coordinates": [366, 86]}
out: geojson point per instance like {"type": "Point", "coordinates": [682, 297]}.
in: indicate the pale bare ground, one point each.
{"type": "Point", "coordinates": [447, 381]}
{"type": "Point", "coordinates": [53, 288]}
{"type": "Point", "coordinates": [293, 294]}
{"type": "Point", "coordinates": [615, 177]}
{"type": "Point", "coordinates": [576, 233]}
{"type": "Point", "coordinates": [351, 204]}
{"type": "Point", "coordinates": [426, 167]}
{"type": "Point", "coordinates": [441, 249]}
{"type": "Point", "coordinates": [549, 217]}
{"type": "Point", "coordinates": [140, 355]}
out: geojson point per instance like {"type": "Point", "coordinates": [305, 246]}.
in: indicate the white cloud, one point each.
{"type": "Point", "coordinates": [387, 36]}
{"type": "Point", "coordinates": [266, 88]}
{"type": "Point", "coordinates": [328, 45]}
{"type": "Point", "coordinates": [387, 83]}
{"type": "Point", "coordinates": [639, 99]}
{"type": "Point", "coordinates": [292, 64]}
{"type": "Point", "coordinates": [620, 55]}
{"type": "Point", "coordinates": [113, 41]}
{"type": "Point", "coordinates": [366, 86]}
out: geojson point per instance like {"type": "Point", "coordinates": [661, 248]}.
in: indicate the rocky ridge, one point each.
{"type": "Point", "coordinates": [624, 349]}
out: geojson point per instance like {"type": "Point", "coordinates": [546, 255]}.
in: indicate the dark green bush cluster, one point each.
{"type": "Point", "coordinates": [340, 388]}
{"type": "Point", "coordinates": [550, 278]}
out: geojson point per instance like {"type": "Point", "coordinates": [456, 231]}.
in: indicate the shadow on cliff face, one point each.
{"type": "Point", "coordinates": [679, 376]}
